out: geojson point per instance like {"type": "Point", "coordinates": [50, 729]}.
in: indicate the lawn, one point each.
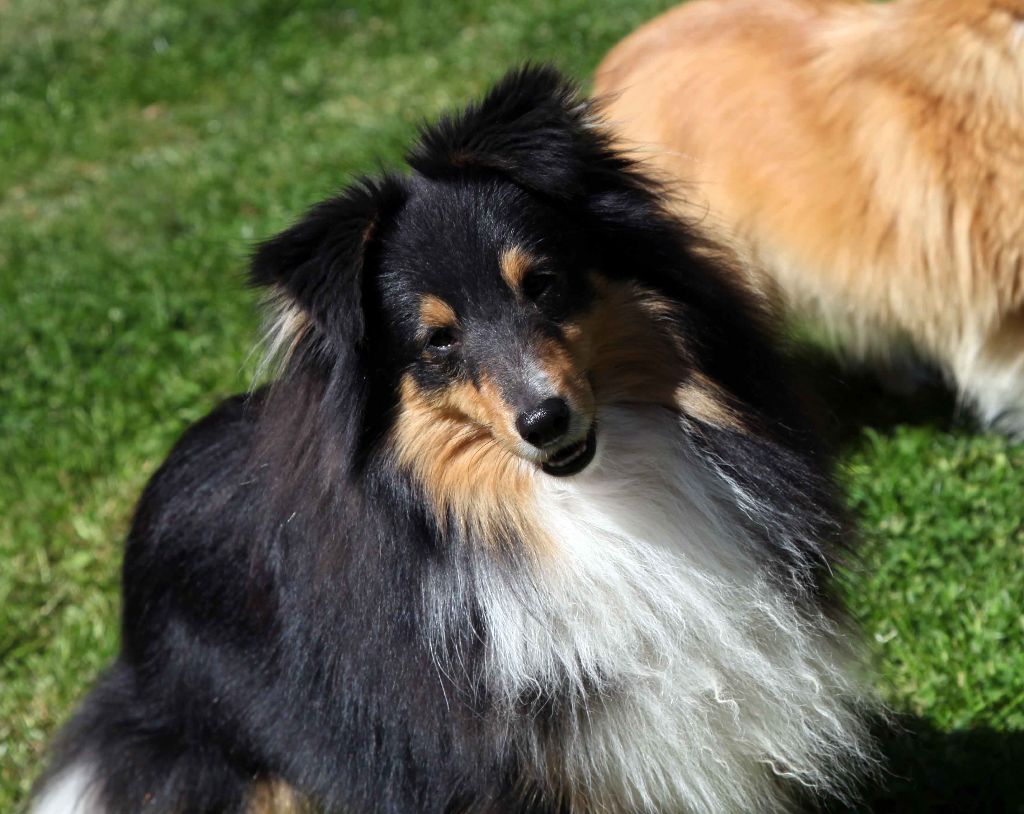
{"type": "Point", "coordinates": [145, 145]}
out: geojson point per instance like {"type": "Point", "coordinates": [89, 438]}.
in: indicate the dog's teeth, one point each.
{"type": "Point", "coordinates": [567, 458]}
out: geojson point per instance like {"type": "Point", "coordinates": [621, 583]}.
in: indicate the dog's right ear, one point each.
{"type": "Point", "coordinates": [532, 126]}
{"type": "Point", "coordinates": [315, 269]}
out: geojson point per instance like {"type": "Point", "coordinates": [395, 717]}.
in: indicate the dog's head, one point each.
{"type": "Point", "coordinates": [487, 286]}
{"type": "Point", "coordinates": [476, 314]}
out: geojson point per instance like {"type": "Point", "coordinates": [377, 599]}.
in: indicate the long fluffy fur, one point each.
{"type": "Point", "coordinates": [660, 631]}
{"type": "Point", "coordinates": [353, 590]}
{"type": "Point", "coordinates": [865, 160]}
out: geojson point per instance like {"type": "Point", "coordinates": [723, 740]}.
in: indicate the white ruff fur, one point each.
{"type": "Point", "coordinates": [694, 681]}
{"type": "Point", "coordinates": [70, 792]}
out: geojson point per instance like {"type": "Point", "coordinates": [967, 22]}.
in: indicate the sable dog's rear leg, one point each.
{"type": "Point", "coordinates": [992, 376]}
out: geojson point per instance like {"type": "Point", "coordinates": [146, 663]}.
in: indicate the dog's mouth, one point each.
{"type": "Point", "coordinates": [573, 458]}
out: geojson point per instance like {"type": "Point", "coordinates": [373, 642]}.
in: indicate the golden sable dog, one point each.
{"type": "Point", "coordinates": [865, 160]}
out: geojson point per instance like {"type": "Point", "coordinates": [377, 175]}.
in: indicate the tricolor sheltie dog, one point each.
{"type": "Point", "coordinates": [867, 161]}
{"type": "Point", "coordinates": [527, 522]}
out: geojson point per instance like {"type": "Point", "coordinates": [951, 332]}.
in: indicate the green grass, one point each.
{"type": "Point", "coordinates": [144, 145]}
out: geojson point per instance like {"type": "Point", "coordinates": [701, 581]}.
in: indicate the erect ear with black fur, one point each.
{"type": "Point", "coordinates": [532, 127]}
{"type": "Point", "coordinates": [315, 268]}
{"type": "Point", "coordinates": [535, 129]}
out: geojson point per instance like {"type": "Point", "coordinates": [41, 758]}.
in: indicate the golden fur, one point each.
{"type": "Point", "coordinates": [865, 161]}
{"type": "Point", "coordinates": [458, 444]}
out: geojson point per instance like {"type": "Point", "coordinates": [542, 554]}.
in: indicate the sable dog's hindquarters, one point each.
{"type": "Point", "coordinates": [527, 521]}
{"type": "Point", "coordinates": [865, 159]}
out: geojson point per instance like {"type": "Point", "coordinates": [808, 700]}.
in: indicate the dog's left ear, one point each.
{"type": "Point", "coordinates": [317, 268]}
{"type": "Point", "coordinates": [532, 127]}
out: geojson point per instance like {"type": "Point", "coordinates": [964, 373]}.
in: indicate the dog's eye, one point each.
{"type": "Point", "coordinates": [441, 340]}
{"type": "Point", "coordinates": [543, 288]}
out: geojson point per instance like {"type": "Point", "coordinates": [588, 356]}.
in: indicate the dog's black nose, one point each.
{"type": "Point", "coordinates": [545, 423]}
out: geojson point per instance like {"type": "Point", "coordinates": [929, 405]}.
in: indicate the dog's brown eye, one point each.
{"type": "Point", "coordinates": [541, 286]}
{"type": "Point", "coordinates": [441, 339]}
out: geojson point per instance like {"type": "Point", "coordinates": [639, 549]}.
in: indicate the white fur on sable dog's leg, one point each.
{"type": "Point", "coordinates": [992, 381]}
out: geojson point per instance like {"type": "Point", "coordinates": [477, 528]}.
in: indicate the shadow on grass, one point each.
{"type": "Point", "coordinates": [972, 771]}
{"type": "Point", "coordinates": [847, 399]}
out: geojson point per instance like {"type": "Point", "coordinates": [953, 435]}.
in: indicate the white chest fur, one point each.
{"type": "Point", "coordinates": [694, 680]}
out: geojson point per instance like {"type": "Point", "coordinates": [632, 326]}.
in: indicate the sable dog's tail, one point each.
{"type": "Point", "coordinates": [119, 756]}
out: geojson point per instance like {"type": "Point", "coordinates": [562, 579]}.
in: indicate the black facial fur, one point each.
{"type": "Point", "coordinates": [447, 242]}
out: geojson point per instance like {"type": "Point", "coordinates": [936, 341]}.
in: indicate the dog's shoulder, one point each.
{"type": "Point", "coordinates": [201, 489]}
{"type": "Point", "coordinates": [210, 450]}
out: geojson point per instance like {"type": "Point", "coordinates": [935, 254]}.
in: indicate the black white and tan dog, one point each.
{"type": "Point", "coordinates": [528, 520]}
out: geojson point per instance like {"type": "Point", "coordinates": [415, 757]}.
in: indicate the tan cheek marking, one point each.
{"type": "Point", "coordinates": [634, 356]}
{"type": "Point", "coordinates": [436, 313]}
{"type": "Point", "coordinates": [704, 400]}
{"type": "Point", "coordinates": [637, 357]}
{"type": "Point", "coordinates": [566, 370]}
{"type": "Point", "coordinates": [471, 476]}
{"type": "Point", "coordinates": [514, 264]}
{"type": "Point", "coordinates": [481, 404]}
{"type": "Point", "coordinates": [501, 416]}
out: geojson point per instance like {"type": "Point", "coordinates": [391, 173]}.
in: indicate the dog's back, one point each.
{"type": "Point", "coordinates": [865, 159]}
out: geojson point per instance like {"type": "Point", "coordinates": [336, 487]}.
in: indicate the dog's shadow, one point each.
{"type": "Point", "coordinates": [971, 771]}
{"type": "Point", "coordinates": [968, 771]}
{"type": "Point", "coordinates": [847, 399]}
